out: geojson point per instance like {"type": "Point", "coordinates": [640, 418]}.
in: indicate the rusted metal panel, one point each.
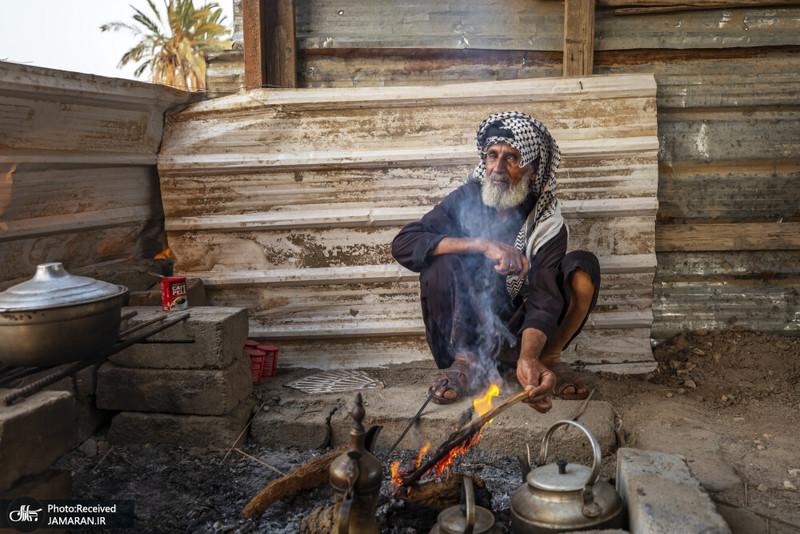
{"type": "Point", "coordinates": [287, 201]}
{"type": "Point", "coordinates": [532, 25]}
{"type": "Point", "coordinates": [78, 182]}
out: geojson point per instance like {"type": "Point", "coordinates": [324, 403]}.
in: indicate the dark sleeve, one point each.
{"type": "Point", "coordinates": [412, 247]}
{"type": "Point", "coordinates": [544, 302]}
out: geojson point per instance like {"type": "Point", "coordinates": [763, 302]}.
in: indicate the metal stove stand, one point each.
{"type": "Point", "coordinates": [9, 375]}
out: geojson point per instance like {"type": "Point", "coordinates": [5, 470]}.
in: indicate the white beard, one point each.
{"type": "Point", "coordinates": [503, 197]}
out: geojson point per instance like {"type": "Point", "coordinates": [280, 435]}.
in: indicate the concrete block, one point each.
{"type": "Point", "coordinates": [180, 391]}
{"type": "Point", "coordinates": [508, 433]}
{"type": "Point", "coordinates": [279, 426]}
{"type": "Point", "coordinates": [219, 334]}
{"type": "Point", "coordinates": [49, 484]}
{"type": "Point", "coordinates": [662, 495]}
{"type": "Point", "coordinates": [195, 292]}
{"type": "Point", "coordinates": [210, 431]}
{"type": "Point", "coordinates": [34, 432]}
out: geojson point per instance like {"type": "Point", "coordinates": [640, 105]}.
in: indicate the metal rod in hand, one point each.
{"type": "Point", "coordinates": [414, 419]}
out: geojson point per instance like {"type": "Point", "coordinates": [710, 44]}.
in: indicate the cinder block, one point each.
{"type": "Point", "coordinates": [219, 334]}
{"type": "Point", "coordinates": [289, 425]}
{"type": "Point", "coordinates": [49, 484]}
{"type": "Point", "coordinates": [662, 495]}
{"type": "Point", "coordinates": [179, 391]}
{"type": "Point", "coordinates": [34, 432]}
{"type": "Point", "coordinates": [216, 432]}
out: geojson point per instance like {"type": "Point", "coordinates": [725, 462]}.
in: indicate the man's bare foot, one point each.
{"type": "Point", "coordinates": [456, 382]}
{"type": "Point", "coordinates": [568, 385]}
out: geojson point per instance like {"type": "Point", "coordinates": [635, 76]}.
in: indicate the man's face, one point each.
{"type": "Point", "coordinates": [507, 184]}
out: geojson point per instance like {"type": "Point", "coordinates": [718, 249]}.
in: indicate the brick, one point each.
{"type": "Point", "coordinates": [34, 432]}
{"type": "Point", "coordinates": [662, 495]}
{"type": "Point", "coordinates": [219, 334]}
{"type": "Point", "coordinates": [210, 431]}
{"type": "Point", "coordinates": [179, 391]}
{"type": "Point", "coordinates": [281, 426]}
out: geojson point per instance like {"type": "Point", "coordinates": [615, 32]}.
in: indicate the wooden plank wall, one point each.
{"type": "Point", "coordinates": [728, 109]}
{"type": "Point", "coordinates": [78, 180]}
{"type": "Point", "coordinates": [286, 202]}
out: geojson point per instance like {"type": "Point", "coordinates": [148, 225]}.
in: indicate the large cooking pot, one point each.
{"type": "Point", "coordinates": [56, 317]}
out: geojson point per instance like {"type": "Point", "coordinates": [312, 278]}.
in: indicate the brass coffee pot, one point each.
{"type": "Point", "coordinates": [356, 479]}
{"type": "Point", "coordinates": [564, 497]}
{"type": "Point", "coordinates": [467, 518]}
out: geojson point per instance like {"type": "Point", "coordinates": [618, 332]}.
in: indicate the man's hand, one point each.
{"type": "Point", "coordinates": [538, 381]}
{"type": "Point", "coordinates": [508, 260]}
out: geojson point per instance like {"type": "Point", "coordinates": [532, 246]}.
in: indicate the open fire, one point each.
{"type": "Point", "coordinates": [481, 406]}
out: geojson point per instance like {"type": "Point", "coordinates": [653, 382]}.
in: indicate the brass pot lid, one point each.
{"type": "Point", "coordinates": [550, 478]}
{"type": "Point", "coordinates": [454, 521]}
{"type": "Point", "coordinates": [53, 287]}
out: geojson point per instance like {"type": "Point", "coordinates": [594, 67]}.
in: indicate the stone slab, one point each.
{"type": "Point", "coordinates": [662, 495]}
{"type": "Point", "coordinates": [34, 432]}
{"type": "Point", "coordinates": [508, 433]}
{"type": "Point", "coordinates": [218, 332]}
{"type": "Point", "coordinates": [210, 431]}
{"type": "Point", "coordinates": [178, 391]}
{"type": "Point", "coordinates": [293, 424]}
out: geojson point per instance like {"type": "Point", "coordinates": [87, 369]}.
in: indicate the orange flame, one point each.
{"type": "Point", "coordinates": [484, 404]}
{"type": "Point", "coordinates": [164, 255]}
{"type": "Point", "coordinates": [397, 474]}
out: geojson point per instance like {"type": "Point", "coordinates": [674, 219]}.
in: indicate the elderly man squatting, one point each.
{"type": "Point", "coordinates": [496, 283]}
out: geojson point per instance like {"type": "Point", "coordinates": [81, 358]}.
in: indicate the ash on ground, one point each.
{"type": "Point", "coordinates": [194, 490]}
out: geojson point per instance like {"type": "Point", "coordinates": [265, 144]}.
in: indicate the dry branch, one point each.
{"type": "Point", "coordinates": [459, 437]}
{"type": "Point", "coordinates": [309, 475]}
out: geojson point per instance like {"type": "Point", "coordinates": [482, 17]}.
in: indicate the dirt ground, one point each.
{"type": "Point", "coordinates": [727, 401]}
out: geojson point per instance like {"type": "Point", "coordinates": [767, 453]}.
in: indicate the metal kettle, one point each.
{"type": "Point", "coordinates": [356, 478]}
{"type": "Point", "coordinates": [467, 518]}
{"type": "Point", "coordinates": [564, 497]}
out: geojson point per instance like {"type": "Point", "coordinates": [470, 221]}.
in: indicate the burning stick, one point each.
{"type": "Point", "coordinates": [459, 437]}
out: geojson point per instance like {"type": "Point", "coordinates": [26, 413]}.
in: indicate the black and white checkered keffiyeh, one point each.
{"type": "Point", "coordinates": [534, 142]}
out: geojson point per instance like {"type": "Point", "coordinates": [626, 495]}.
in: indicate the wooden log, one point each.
{"type": "Point", "coordinates": [309, 475]}
{"type": "Point", "coordinates": [441, 494]}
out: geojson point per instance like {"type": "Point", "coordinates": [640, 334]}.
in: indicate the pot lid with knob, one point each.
{"type": "Point", "coordinates": [52, 287]}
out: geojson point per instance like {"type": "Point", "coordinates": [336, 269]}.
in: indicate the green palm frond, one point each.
{"type": "Point", "coordinates": [173, 46]}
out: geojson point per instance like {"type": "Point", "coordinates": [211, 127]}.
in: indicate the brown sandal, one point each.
{"type": "Point", "coordinates": [565, 378]}
{"type": "Point", "coordinates": [453, 380]}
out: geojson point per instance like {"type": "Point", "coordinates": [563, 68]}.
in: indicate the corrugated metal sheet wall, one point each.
{"type": "Point", "coordinates": [728, 227]}
{"type": "Point", "coordinates": [78, 180]}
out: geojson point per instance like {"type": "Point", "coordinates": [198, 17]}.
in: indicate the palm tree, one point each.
{"type": "Point", "coordinates": [175, 57]}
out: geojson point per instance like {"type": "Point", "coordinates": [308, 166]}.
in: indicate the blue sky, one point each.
{"type": "Point", "coordinates": [65, 34]}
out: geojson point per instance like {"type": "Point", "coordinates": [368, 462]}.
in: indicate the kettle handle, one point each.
{"type": "Point", "coordinates": [469, 498]}
{"type": "Point", "coordinates": [598, 457]}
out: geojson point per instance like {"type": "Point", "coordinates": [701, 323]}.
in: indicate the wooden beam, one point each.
{"type": "Point", "coordinates": [578, 37]}
{"type": "Point", "coordinates": [270, 49]}
{"type": "Point", "coordinates": [253, 31]}
{"type": "Point", "coordinates": [282, 53]}
{"type": "Point", "coordinates": [707, 237]}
